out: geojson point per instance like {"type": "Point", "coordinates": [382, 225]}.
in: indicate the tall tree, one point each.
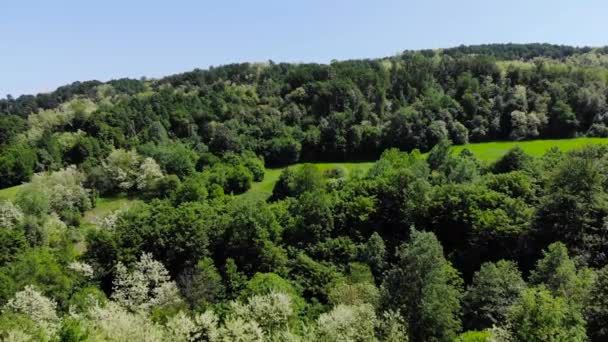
{"type": "Point", "coordinates": [425, 287]}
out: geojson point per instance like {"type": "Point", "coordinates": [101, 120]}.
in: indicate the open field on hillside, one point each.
{"type": "Point", "coordinates": [487, 152]}
{"type": "Point", "coordinates": [9, 193]}
{"type": "Point", "coordinates": [106, 205]}
{"type": "Point", "coordinates": [491, 151]}
{"type": "Point", "coordinates": [264, 188]}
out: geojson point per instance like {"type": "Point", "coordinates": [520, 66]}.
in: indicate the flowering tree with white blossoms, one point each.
{"type": "Point", "coordinates": [64, 189]}
{"type": "Point", "coordinates": [272, 311]}
{"type": "Point", "coordinates": [122, 167]}
{"type": "Point", "coordinates": [34, 305]}
{"type": "Point", "coordinates": [147, 285]}
{"type": "Point", "coordinates": [113, 322]}
{"type": "Point", "coordinates": [149, 172]}
{"type": "Point", "coordinates": [10, 215]}
{"type": "Point", "coordinates": [82, 268]}
{"type": "Point", "coordinates": [348, 323]}
{"type": "Point", "coordinates": [130, 170]}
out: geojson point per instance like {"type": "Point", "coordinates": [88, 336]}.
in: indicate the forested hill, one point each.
{"type": "Point", "coordinates": [299, 112]}
{"type": "Point", "coordinates": [138, 220]}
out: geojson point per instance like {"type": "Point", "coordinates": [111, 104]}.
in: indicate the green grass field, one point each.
{"type": "Point", "coordinates": [9, 193]}
{"type": "Point", "coordinates": [491, 151]}
{"type": "Point", "coordinates": [264, 188]}
{"type": "Point", "coordinates": [106, 205]}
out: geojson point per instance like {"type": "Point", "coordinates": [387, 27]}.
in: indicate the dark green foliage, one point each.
{"type": "Point", "coordinates": [596, 310]}
{"type": "Point", "coordinates": [476, 224]}
{"type": "Point", "coordinates": [17, 163]}
{"type": "Point", "coordinates": [250, 236]}
{"type": "Point", "coordinates": [294, 182]}
{"type": "Point", "coordinates": [345, 110]}
{"type": "Point", "coordinates": [514, 160]}
{"type": "Point", "coordinates": [374, 253]}
{"type": "Point", "coordinates": [10, 126]}
{"type": "Point", "coordinates": [202, 284]}
{"type": "Point", "coordinates": [495, 287]}
{"type": "Point", "coordinates": [574, 208]}
{"type": "Point", "coordinates": [192, 189]}
{"type": "Point", "coordinates": [312, 219]}
{"type": "Point", "coordinates": [175, 159]}
{"type": "Point", "coordinates": [178, 237]}
{"type": "Point", "coordinates": [425, 287]}
{"type": "Point", "coordinates": [315, 278]}
{"type": "Point", "coordinates": [559, 274]}
{"type": "Point", "coordinates": [12, 242]}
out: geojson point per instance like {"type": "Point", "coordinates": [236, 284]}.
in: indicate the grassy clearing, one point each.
{"type": "Point", "coordinates": [492, 151]}
{"type": "Point", "coordinates": [263, 189]}
{"type": "Point", "coordinates": [106, 205]}
{"type": "Point", "coordinates": [488, 152]}
{"type": "Point", "coordinates": [10, 193]}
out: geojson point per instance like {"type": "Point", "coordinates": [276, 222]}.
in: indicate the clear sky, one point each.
{"type": "Point", "coordinates": [46, 44]}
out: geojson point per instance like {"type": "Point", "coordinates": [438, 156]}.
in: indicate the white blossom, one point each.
{"type": "Point", "coordinates": [10, 215]}
{"type": "Point", "coordinates": [82, 268]}
{"type": "Point", "coordinates": [64, 189]}
{"type": "Point", "coordinates": [149, 172]}
{"type": "Point", "coordinates": [33, 304]}
{"type": "Point", "coordinates": [109, 221]}
{"type": "Point", "coordinates": [348, 323]}
{"type": "Point", "coordinates": [180, 328]}
{"type": "Point", "coordinates": [393, 327]}
{"type": "Point", "coordinates": [123, 167]}
{"type": "Point", "coordinates": [114, 323]}
{"type": "Point", "coordinates": [18, 336]}
{"type": "Point", "coordinates": [146, 286]}
{"type": "Point", "coordinates": [239, 330]}
{"type": "Point", "coordinates": [271, 311]}
{"type": "Point", "coordinates": [206, 327]}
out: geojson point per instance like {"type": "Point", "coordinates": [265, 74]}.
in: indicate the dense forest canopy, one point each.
{"type": "Point", "coordinates": [436, 246]}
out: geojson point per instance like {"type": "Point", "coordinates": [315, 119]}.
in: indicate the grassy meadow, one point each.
{"type": "Point", "coordinates": [488, 152]}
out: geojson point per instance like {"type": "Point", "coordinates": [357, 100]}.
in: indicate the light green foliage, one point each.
{"type": "Point", "coordinates": [42, 268]}
{"type": "Point", "coordinates": [266, 283]}
{"type": "Point", "coordinates": [64, 190]}
{"type": "Point", "coordinates": [540, 317]}
{"type": "Point", "coordinates": [475, 336]}
{"type": "Point", "coordinates": [354, 294]}
{"type": "Point", "coordinates": [50, 120]}
{"type": "Point", "coordinates": [16, 327]}
{"type": "Point", "coordinates": [560, 275]}
{"type": "Point", "coordinates": [392, 327]}
{"type": "Point", "coordinates": [121, 166]}
{"type": "Point", "coordinates": [348, 323]}
{"type": "Point", "coordinates": [306, 266]}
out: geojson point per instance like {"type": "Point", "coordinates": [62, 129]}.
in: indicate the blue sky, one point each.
{"type": "Point", "coordinates": [46, 44]}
